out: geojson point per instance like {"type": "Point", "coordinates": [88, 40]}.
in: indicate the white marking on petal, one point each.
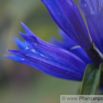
{"type": "Point", "coordinates": [33, 51]}
{"type": "Point", "coordinates": [42, 55]}
{"type": "Point", "coordinates": [35, 43]}
{"type": "Point", "coordinates": [26, 48]}
{"type": "Point", "coordinates": [75, 47]}
{"type": "Point", "coordinates": [85, 5]}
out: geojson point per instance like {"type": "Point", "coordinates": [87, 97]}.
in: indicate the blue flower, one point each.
{"type": "Point", "coordinates": [47, 58]}
{"type": "Point", "coordinates": [68, 59]}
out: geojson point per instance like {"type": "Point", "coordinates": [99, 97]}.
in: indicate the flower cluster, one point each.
{"type": "Point", "coordinates": [67, 59]}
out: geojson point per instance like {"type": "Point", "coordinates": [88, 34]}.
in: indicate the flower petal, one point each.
{"type": "Point", "coordinates": [21, 45]}
{"type": "Point", "coordinates": [68, 18]}
{"type": "Point", "coordinates": [71, 46]}
{"type": "Point", "coordinates": [45, 66]}
{"type": "Point", "coordinates": [28, 31]}
{"type": "Point", "coordinates": [38, 67]}
{"type": "Point", "coordinates": [48, 58]}
{"type": "Point", "coordinates": [93, 11]}
{"type": "Point", "coordinates": [46, 48]}
{"type": "Point", "coordinates": [67, 41]}
{"type": "Point", "coordinates": [81, 54]}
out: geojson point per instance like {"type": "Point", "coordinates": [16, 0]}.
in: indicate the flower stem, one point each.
{"type": "Point", "coordinates": [94, 55]}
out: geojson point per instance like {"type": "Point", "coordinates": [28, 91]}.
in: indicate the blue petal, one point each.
{"type": "Point", "coordinates": [33, 57]}
{"type": "Point", "coordinates": [28, 31]}
{"type": "Point", "coordinates": [48, 58]}
{"type": "Point", "coordinates": [77, 50]}
{"type": "Point", "coordinates": [71, 46]}
{"type": "Point", "coordinates": [58, 43]}
{"type": "Point", "coordinates": [93, 10]}
{"type": "Point", "coordinates": [38, 67]}
{"type": "Point", "coordinates": [68, 18]}
{"type": "Point", "coordinates": [46, 67]}
{"type": "Point", "coordinates": [53, 51]}
{"type": "Point", "coordinates": [21, 45]}
{"type": "Point", "coordinates": [67, 41]}
{"type": "Point", "coordinates": [81, 54]}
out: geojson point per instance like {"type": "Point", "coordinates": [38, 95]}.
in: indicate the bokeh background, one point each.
{"type": "Point", "coordinates": [20, 83]}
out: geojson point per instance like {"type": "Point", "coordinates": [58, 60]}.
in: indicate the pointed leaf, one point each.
{"type": "Point", "coordinates": [91, 80]}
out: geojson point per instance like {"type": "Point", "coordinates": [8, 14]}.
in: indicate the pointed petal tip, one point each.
{"type": "Point", "coordinates": [12, 57]}
{"type": "Point", "coordinates": [27, 30]}
{"type": "Point", "coordinates": [24, 26]}
{"type": "Point", "coordinates": [15, 39]}
{"type": "Point", "coordinates": [9, 50]}
{"type": "Point", "coordinates": [22, 23]}
{"type": "Point", "coordinates": [7, 56]}
{"type": "Point", "coordinates": [20, 32]}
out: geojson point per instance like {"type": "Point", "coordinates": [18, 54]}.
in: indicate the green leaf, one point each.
{"type": "Point", "coordinates": [91, 80]}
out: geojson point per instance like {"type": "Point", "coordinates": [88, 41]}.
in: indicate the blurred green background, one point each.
{"type": "Point", "coordinates": [20, 83]}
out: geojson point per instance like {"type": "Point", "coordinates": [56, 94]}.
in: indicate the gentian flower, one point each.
{"type": "Point", "coordinates": [68, 59]}
{"type": "Point", "coordinates": [47, 58]}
